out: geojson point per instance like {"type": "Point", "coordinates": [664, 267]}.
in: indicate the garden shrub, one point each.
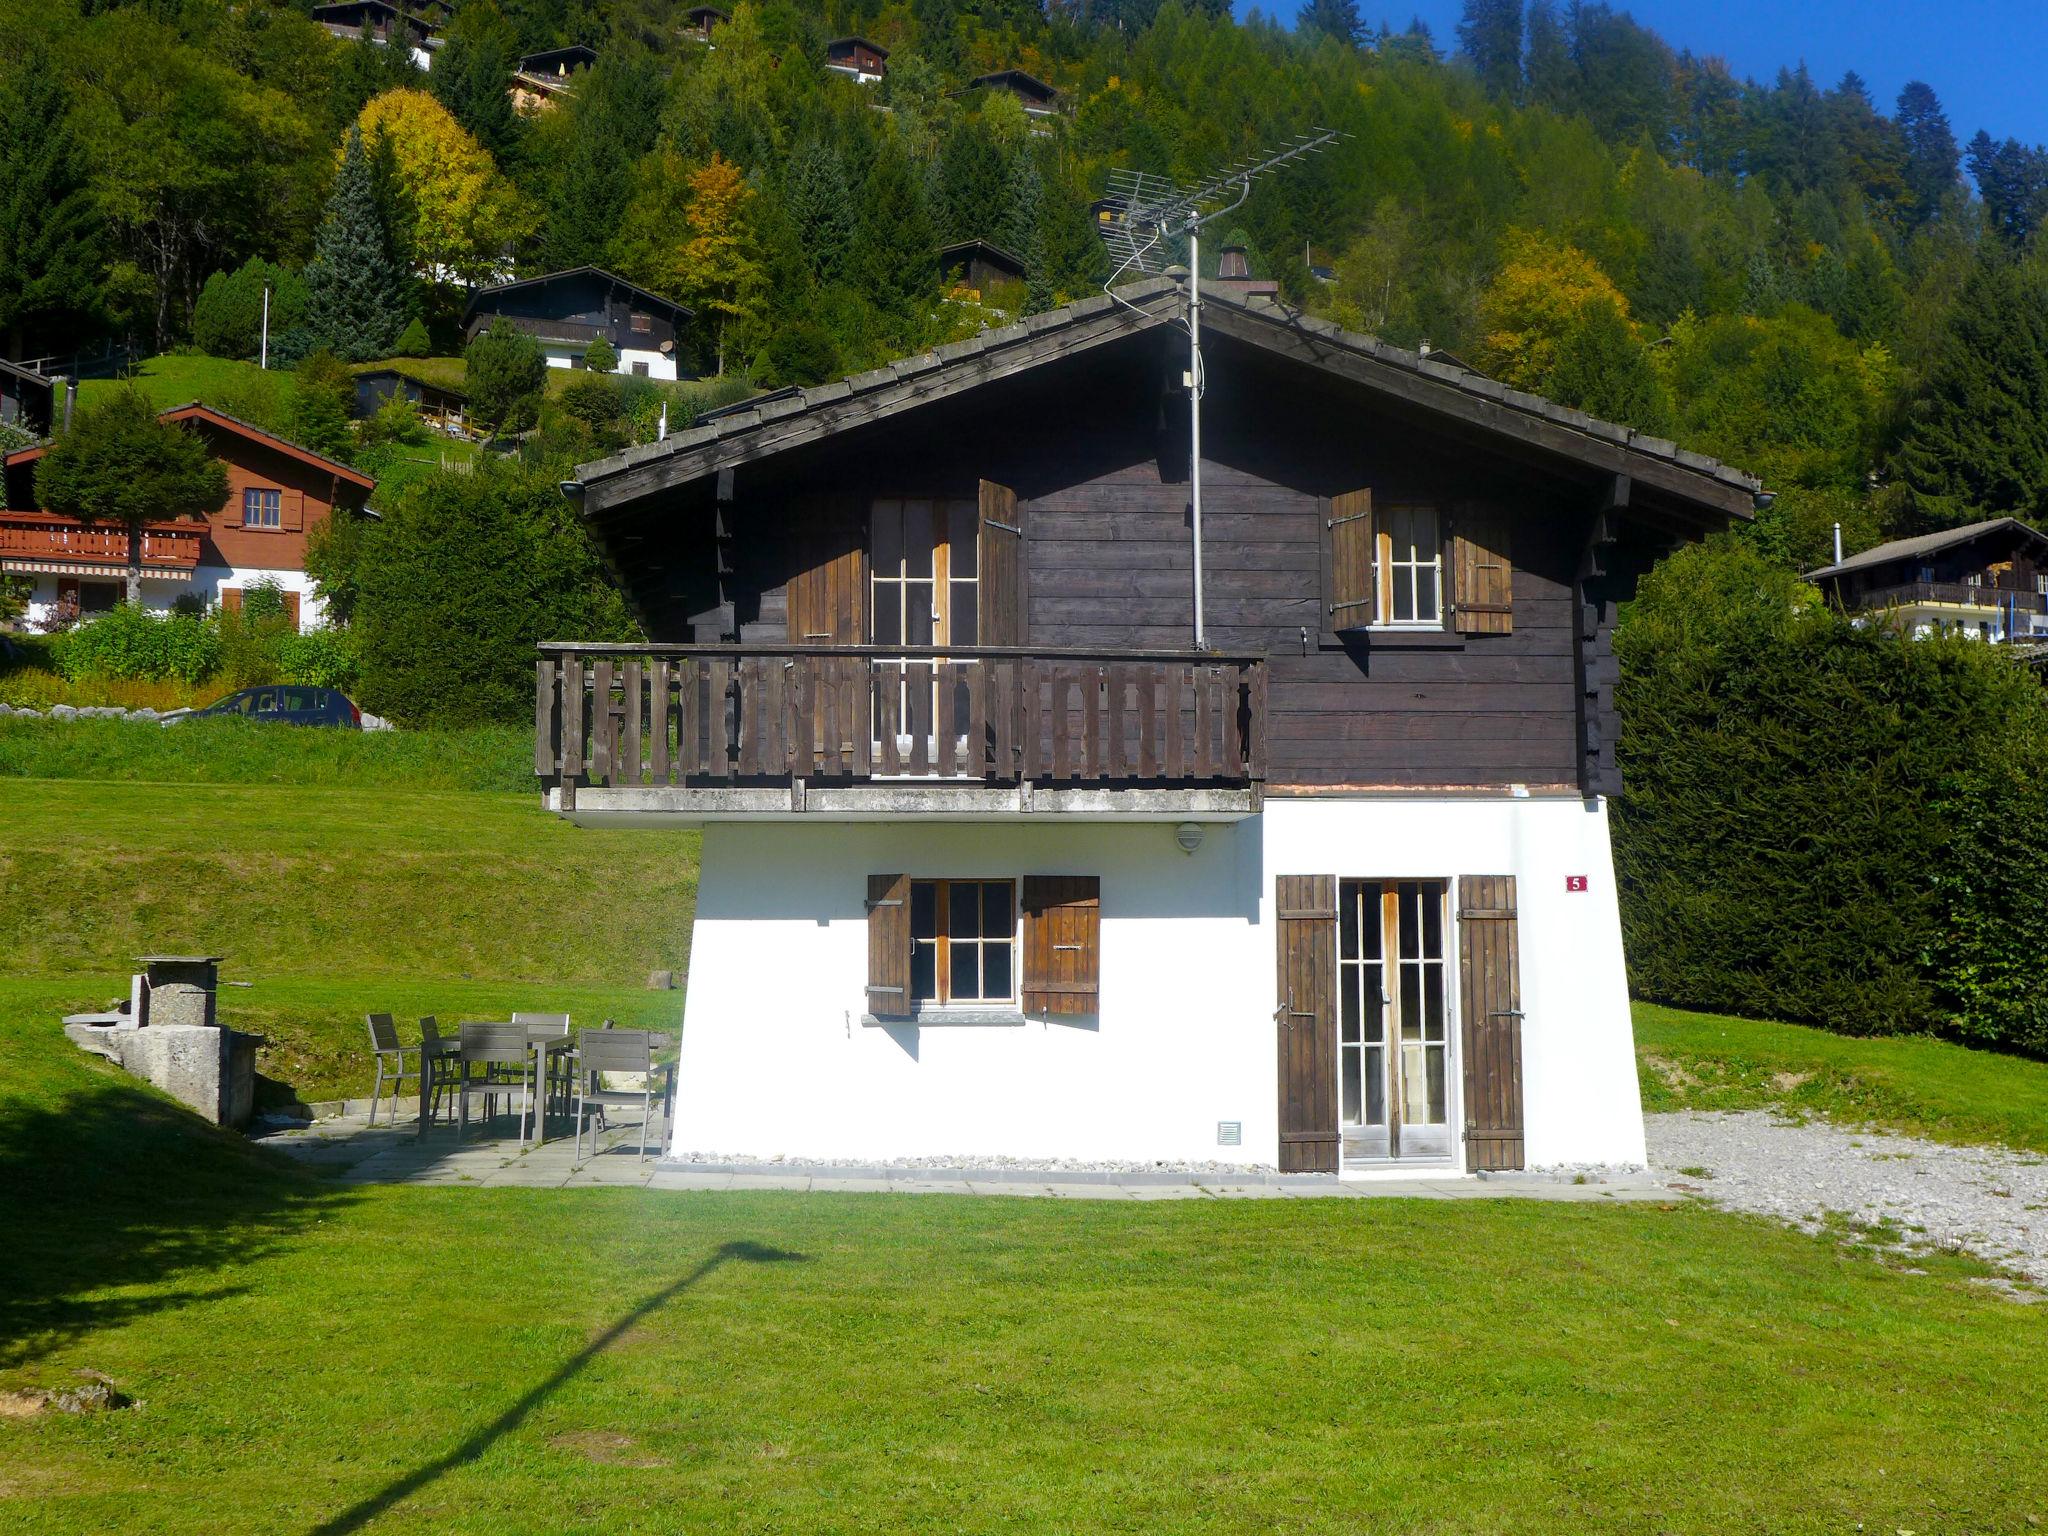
{"type": "Point", "coordinates": [323, 658]}
{"type": "Point", "coordinates": [1824, 821]}
{"type": "Point", "coordinates": [129, 642]}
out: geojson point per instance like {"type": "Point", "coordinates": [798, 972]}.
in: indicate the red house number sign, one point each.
{"type": "Point", "coordinates": [1574, 882]}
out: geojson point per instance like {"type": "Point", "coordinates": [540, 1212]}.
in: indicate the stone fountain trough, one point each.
{"type": "Point", "coordinates": [168, 1034]}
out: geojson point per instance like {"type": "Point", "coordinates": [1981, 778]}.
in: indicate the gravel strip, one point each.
{"type": "Point", "coordinates": [1991, 1203]}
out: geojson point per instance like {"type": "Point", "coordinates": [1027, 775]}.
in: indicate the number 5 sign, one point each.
{"type": "Point", "coordinates": [1574, 882]}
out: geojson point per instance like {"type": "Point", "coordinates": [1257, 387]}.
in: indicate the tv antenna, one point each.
{"type": "Point", "coordinates": [1151, 225]}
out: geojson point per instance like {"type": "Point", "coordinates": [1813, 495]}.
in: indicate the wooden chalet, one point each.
{"type": "Point", "coordinates": [857, 59]}
{"type": "Point", "coordinates": [439, 405]}
{"type": "Point", "coordinates": [541, 79]}
{"type": "Point", "coordinates": [1988, 580]}
{"type": "Point", "coordinates": [699, 21]}
{"type": "Point", "coordinates": [413, 27]}
{"type": "Point", "coordinates": [1038, 98]}
{"type": "Point", "coordinates": [565, 311]}
{"type": "Point", "coordinates": [980, 266]}
{"type": "Point", "coordinates": [278, 492]}
{"type": "Point", "coordinates": [923, 666]}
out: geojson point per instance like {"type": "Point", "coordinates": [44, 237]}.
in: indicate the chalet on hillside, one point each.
{"type": "Point", "coordinates": [1038, 98]}
{"type": "Point", "coordinates": [28, 400]}
{"type": "Point", "coordinates": [857, 59]}
{"type": "Point", "coordinates": [999, 861]}
{"type": "Point", "coordinates": [439, 405]}
{"type": "Point", "coordinates": [1234, 278]}
{"type": "Point", "coordinates": [541, 79]}
{"type": "Point", "coordinates": [979, 266]}
{"type": "Point", "coordinates": [1987, 579]}
{"type": "Point", "coordinates": [565, 311]}
{"type": "Point", "coordinates": [278, 493]}
{"type": "Point", "coordinates": [384, 23]}
{"type": "Point", "coordinates": [700, 20]}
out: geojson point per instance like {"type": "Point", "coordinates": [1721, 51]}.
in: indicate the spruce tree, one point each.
{"type": "Point", "coordinates": [478, 53]}
{"type": "Point", "coordinates": [53, 243]}
{"type": "Point", "coordinates": [1551, 73]}
{"type": "Point", "coordinates": [970, 188]}
{"type": "Point", "coordinates": [1490, 35]}
{"type": "Point", "coordinates": [1022, 229]}
{"type": "Point", "coordinates": [1334, 18]}
{"type": "Point", "coordinates": [1932, 161]}
{"type": "Point", "coordinates": [358, 294]}
{"type": "Point", "coordinates": [820, 208]}
{"type": "Point", "coordinates": [1976, 441]}
{"type": "Point", "coordinates": [895, 257]}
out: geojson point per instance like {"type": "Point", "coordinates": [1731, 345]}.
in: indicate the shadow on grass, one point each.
{"type": "Point", "coordinates": [357, 1515]}
{"type": "Point", "coordinates": [111, 1188]}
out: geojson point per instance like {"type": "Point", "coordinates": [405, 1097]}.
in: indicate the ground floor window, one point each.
{"type": "Point", "coordinates": [1393, 1036]}
{"type": "Point", "coordinates": [963, 942]}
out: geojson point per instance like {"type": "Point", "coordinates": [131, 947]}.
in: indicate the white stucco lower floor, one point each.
{"type": "Point", "coordinates": [160, 594]}
{"type": "Point", "coordinates": [776, 1061]}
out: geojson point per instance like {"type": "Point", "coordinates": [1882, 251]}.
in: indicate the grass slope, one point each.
{"type": "Point", "coordinates": [1923, 1086]}
{"type": "Point", "coordinates": [634, 1360]}
{"type": "Point", "coordinates": [183, 377]}
{"type": "Point", "coordinates": [335, 901]}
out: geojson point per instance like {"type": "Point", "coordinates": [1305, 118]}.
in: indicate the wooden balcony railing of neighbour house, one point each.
{"type": "Point", "coordinates": [45, 542]}
{"type": "Point", "coordinates": [738, 729]}
{"type": "Point", "coordinates": [1961, 593]}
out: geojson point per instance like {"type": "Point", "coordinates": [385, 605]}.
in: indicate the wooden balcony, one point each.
{"type": "Point", "coordinates": [44, 542]}
{"type": "Point", "coordinates": [1957, 594]}
{"type": "Point", "coordinates": [742, 732]}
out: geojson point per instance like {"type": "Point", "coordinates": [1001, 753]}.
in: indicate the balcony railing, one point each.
{"type": "Point", "coordinates": [1961, 593]}
{"type": "Point", "coordinates": [724, 715]}
{"type": "Point", "coordinates": [47, 540]}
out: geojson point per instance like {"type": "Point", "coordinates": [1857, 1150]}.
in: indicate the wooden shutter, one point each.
{"type": "Point", "coordinates": [1062, 934]}
{"type": "Point", "coordinates": [1490, 994]}
{"type": "Point", "coordinates": [1307, 1019]}
{"type": "Point", "coordinates": [828, 593]}
{"type": "Point", "coordinates": [1349, 600]}
{"type": "Point", "coordinates": [231, 599]}
{"type": "Point", "coordinates": [1482, 570]}
{"type": "Point", "coordinates": [889, 946]}
{"type": "Point", "coordinates": [291, 510]}
{"type": "Point", "coordinates": [291, 609]}
{"type": "Point", "coordinates": [1000, 567]}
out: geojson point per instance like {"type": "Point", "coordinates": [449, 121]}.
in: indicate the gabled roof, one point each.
{"type": "Point", "coordinates": [846, 42]}
{"type": "Point", "coordinates": [699, 12]}
{"type": "Point", "coordinates": [987, 249]}
{"type": "Point", "coordinates": [47, 382]}
{"type": "Point", "coordinates": [761, 428]}
{"type": "Point", "coordinates": [479, 299]}
{"type": "Point", "coordinates": [1030, 84]}
{"type": "Point", "coordinates": [194, 411]}
{"type": "Point", "coordinates": [576, 54]}
{"type": "Point", "coordinates": [1930, 544]}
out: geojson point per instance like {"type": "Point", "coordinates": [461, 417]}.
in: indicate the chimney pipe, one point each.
{"type": "Point", "coordinates": [70, 401]}
{"type": "Point", "coordinates": [1838, 543]}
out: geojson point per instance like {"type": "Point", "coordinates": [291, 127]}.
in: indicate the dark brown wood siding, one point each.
{"type": "Point", "coordinates": [1490, 1001]}
{"type": "Point", "coordinates": [1306, 1021]}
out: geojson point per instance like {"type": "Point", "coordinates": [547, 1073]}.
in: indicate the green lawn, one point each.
{"type": "Point", "coordinates": [1923, 1086]}
{"type": "Point", "coordinates": [317, 1358]}
{"type": "Point", "coordinates": [181, 378]}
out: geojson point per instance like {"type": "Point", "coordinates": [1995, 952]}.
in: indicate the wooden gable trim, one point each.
{"type": "Point", "coordinates": [242, 429]}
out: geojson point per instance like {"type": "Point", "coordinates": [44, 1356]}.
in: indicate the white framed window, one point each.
{"type": "Point", "coordinates": [1411, 568]}
{"type": "Point", "coordinates": [261, 508]}
{"type": "Point", "coordinates": [963, 942]}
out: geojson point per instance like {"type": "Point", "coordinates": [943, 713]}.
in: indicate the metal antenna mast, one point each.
{"type": "Point", "coordinates": [1149, 226]}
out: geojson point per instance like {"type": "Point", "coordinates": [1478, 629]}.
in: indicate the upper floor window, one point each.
{"type": "Point", "coordinates": [1411, 563]}
{"type": "Point", "coordinates": [1386, 564]}
{"type": "Point", "coordinates": [923, 564]}
{"type": "Point", "coordinates": [642, 324]}
{"type": "Point", "coordinates": [261, 508]}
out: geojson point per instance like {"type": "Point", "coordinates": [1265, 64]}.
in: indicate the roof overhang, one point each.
{"type": "Point", "coordinates": [792, 419]}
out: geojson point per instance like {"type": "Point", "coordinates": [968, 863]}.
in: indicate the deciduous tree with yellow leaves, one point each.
{"type": "Point", "coordinates": [720, 270]}
{"type": "Point", "coordinates": [1538, 298]}
{"type": "Point", "coordinates": [465, 215]}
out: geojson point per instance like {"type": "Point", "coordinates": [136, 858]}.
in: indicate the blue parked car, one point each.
{"type": "Point", "coordinates": [285, 704]}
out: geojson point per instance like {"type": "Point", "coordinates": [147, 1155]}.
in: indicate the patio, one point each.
{"type": "Point", "coordinates": [359, 1153]}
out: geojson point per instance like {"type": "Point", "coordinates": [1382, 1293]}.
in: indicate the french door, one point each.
{"type": "Point", "coordinates": [1394, 1067]}
{"type": "Point", "coordinates": [924, 590]}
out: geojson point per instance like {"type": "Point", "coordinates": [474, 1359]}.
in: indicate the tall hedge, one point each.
{"type": "Point", "coordinates": [1825, 821]}
{"type": "Point", "coordinates": [456, 583]}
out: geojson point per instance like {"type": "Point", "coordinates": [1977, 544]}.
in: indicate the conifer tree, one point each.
{"type": "Point", "coordinates": [52, 239]}
{"type": "Point", "coordinates": [1022, 228]}
{"type": "Point", "coordinates": [1552, 77]}
{"type": "Point", "coordinates": [358, 293]}
{"type": "Point", "coordinates": [1334, 18]}
{"type": "Point", "coordinates": [1490, 35]}
{"type": "Point", "coordinates": [478, 52]}
{"type": "Point", "coordinates": [1931, 157]}
{"type": "Point", "coordinates": [1976, 441]}
{"type": "Point", "coordinates": [820, 207]}
{"type": "Point", "coordinates": [970, 185]}
{"type": "Point", "coordinates": [895, 258]}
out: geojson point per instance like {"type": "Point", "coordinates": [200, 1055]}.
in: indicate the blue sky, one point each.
{"type": "Point", "coordinates": [1984, 58]}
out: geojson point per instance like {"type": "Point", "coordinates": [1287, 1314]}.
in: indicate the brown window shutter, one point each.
{"type": "Point", "coordinates": [1490, 999]}
{"type": "Point", "coordinates": [231, 599]}
{"type": "Point", "coordinates": [291, 511]}
{"type": "Point", "coordinates": [889, 946]}
{"type": "Point", "coordinates": [1062, 944]}
{"type": "Point", "coordinates": [1306, 926]}
{"type": "Point", "coordinates": [1000, 568]}
{"type": "Point", "coordinates": [1348, 596]}
{"type": "Point", "coordinates": [1482, 570]}
{"type": "Point", "coordinates": [291, 609]}
{"type": "Point", "coordinates": [828, 593]}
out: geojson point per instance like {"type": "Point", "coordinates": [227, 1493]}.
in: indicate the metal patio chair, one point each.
{"type": "Point", "coordinates": [495, 1063]}
{"type": "Point", "coordinates": [441, 1050]}
{"type": "Point", "coordinates": [599, 1051]}
{"type": "Point", "coordinates": [390, 1056]}
{"type": "Point", "coordinates": [557, 1089]}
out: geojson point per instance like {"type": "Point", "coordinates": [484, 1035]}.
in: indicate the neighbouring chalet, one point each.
{"type": "Point", "coordinates": [700, 20]}
{"type": "Point", "coordinates": [278, 493]}
{"type": "Point", "coordinates": [1988, 580]}
{"type": "Point", "coordinates": [997, 863]}
{"type": "Point", "coordinates": [566, 311]}
{"type": "Point", "coordinates": [28, 400]}
{"type": "Point", "coordinates": [440, 405]}
{"type": "Point", "coordinates": [857, 59]}
{"type": "Point", "coordinates": [416, 28]}
{"type": "Point", "coordinates": [980, 266]}
{"type": "Point", "coordinates": [1037, 98]}
{"type": "Point", "coordinates": [542, 79]}
{"type": "Point", "coordinates": [1234, 278]}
